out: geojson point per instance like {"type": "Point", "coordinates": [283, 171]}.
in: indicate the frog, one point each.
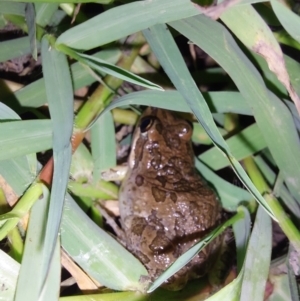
{"type": "Point", "coordinates": [165, 205]}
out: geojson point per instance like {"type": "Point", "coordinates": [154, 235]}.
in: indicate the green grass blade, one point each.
{"type": "Point", "coordinates": [60, 98]}
{"type": "Point", "coordinates": [14, 48]}
{"type": "Point", "coordinates": [98, 253]}
{"type": "Point", "coordinates": [120, 296]}
{"type": "Point", "coordinates": [30, 277]}
{"type": "Point", "coordinates": [17, 172]}
{"type": "Point", "coordinates": [30, 136]}
{"type": "Point", "coordinates": [131, 18]}
{"type": "Point", "coordinates": [105, 67]}
{"type": "Point", "coordinates": [171, 60]}
{"type": "Point", "coordinates": [103, 145]}
{"type": "Point", "coordinates": [289, 20]}
{"type": "Point", "coordinates": [242, 145]}
{"type": "Point", "coordinates": [30, 20]}
{"type": "Point", "coordinates": [9, 271]}
{"type": "Point", "coordinates": [230, 195]}
{"type": "Point", "coordinates": [242, 229]}
{"type": "Point", "coordinates": [10, 8]}
{"type": "Point", "coordinates": [258, 259]}
{"type": "Point", "coordinates": [44, 12]}
{"type": "Point", "coordinates": [219, 102]}
{"type": "Point", "coordinates": [246, 23]}
{"type": "Point", "coordinates": [283, 192]}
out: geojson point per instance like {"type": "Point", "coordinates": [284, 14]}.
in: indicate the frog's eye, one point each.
{"type": "Point", "coordinates": [146, 123]}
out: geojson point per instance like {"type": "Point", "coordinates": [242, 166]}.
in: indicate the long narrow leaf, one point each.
{"type": "Point", "coordinates": [60, 97]}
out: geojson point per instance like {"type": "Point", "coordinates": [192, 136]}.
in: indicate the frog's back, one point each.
{"type": "Point", "coordinates": [165, 206]}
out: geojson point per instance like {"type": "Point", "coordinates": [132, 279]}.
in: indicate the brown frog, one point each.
{"type": "Point", "coordinates": [165, 205]}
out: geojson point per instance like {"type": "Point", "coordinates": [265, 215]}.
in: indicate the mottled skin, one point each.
{"type": "Point", "coordinates": [165, 206]}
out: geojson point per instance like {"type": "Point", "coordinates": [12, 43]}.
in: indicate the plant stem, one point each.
{"type": "Point", "coordinates": [285, 223]}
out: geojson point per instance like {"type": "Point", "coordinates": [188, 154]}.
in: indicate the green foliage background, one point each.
{"type": "Point", "coordinates": [237, 35]}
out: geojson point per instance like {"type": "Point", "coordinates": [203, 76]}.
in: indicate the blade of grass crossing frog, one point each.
{"type": "Point", "coordinates": [103, 145]}
{"type": "Point", "coordinates": [60, 98]}
{"type": "Point", "coordinates": [30, 20]}
{"type": "Point", "coordinates": [44, 12]}
{"type": "Point", "coordinates": [289, 20]}
{"type": "Point", "coordinates": [98, 253]}
{"type": "Point", "coordinates": [250, 28]}
{"type": "Point", "coordinates": [230, 195]}
{"type": "Point", "coordinates": [105, 67]}
{"type": "Point", "coordinates": [31, 136]}
{"type": "Point", "coordinates": [167, 53]}
{"type": "Point", "coordinates": [14, 48]}
{"type": "Point", "coordinates": [132, 17]}
{"type": "Point", "coordinates": [258, 258]}
{"type": "Point", "coordinates": [30, 278]}
{"type": "Point", "coordinates": [242, 145]}
{"type": "Point", "coordinates": [182, 260]}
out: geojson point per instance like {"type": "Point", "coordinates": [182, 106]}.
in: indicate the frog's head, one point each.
{"type": "Point", "coordinates": [162, 139]}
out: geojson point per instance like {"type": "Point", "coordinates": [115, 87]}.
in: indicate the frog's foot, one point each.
{"type": "Point", "coordinates": [116, 173]}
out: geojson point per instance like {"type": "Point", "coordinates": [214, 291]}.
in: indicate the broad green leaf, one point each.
{"type": "Point", "coordinates": [98, 253]}
{"type": "Point", "coordinates": [271, 115]}
{"type": "Point", "coordinates": [31, 136]}
{"type": "Point", "coordinates": [258, 258]}
{"type": "Point", "coordinates": [60, 98]}
{"type": "Point", "coordinates": [171, 60]}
